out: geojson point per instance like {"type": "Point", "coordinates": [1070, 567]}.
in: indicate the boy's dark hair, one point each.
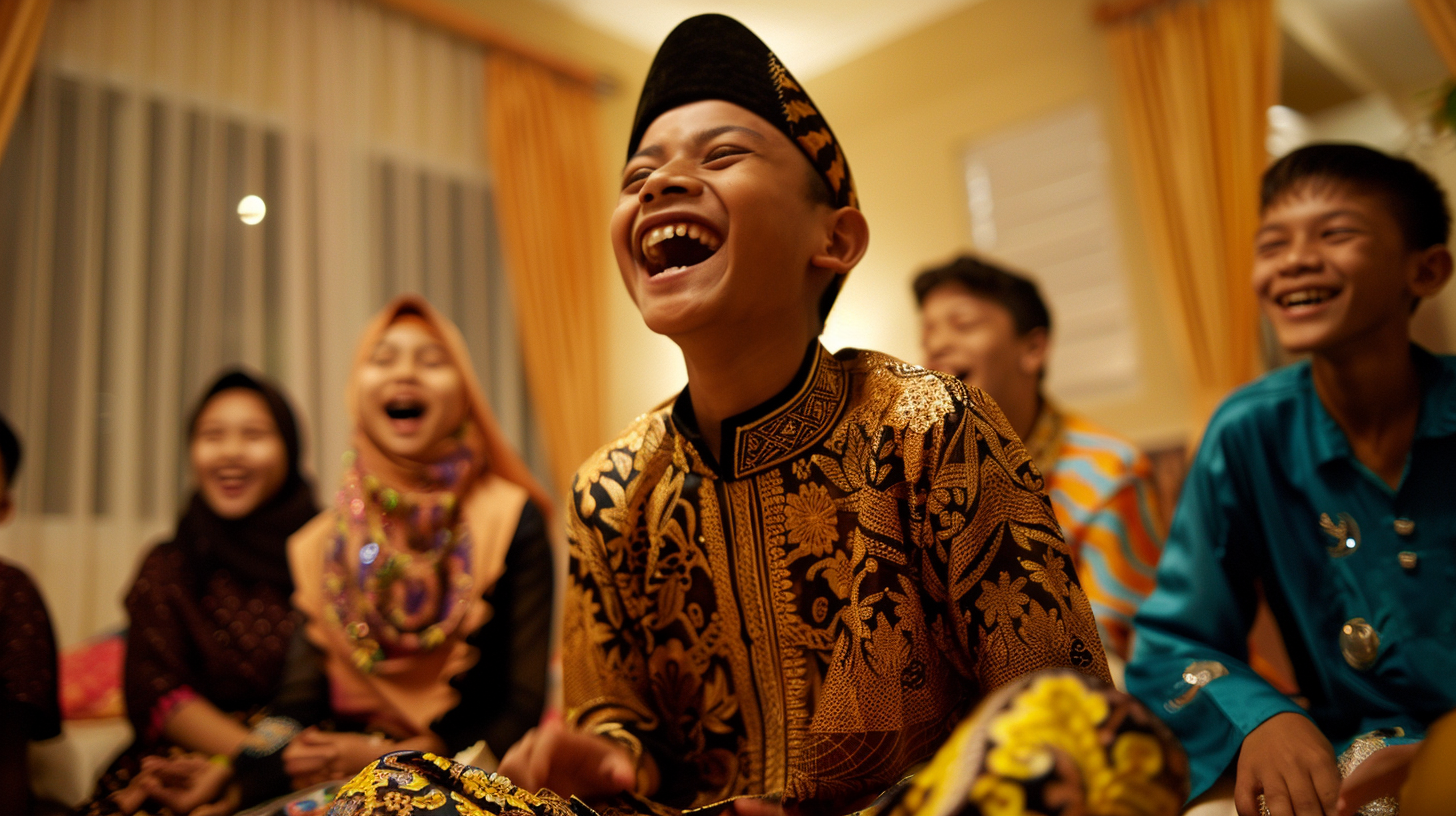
{"type": "Point", "coordinates": [9, 450]}
{"type": "Point", "coordinates": [1416, 200]}
{"type": "Point", "coordinates": [1016, 293]}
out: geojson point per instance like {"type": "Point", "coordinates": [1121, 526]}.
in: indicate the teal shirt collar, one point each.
{"type": "Point", "coordinates": [1437, 418]}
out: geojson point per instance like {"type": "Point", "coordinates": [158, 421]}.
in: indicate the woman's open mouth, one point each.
{"type": "Point", "coordinates": [673, 247]}
{"type": "Point", "coordinates": [406, 414]}
{"type": "Point", "coordinates": [232, 482]}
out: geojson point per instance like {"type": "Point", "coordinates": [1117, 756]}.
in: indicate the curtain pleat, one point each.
{"type": "Point", "coordinates": [1197, 80]}
{"type": "Point", "coordinates": [541, 131]}
{"type": "Point", "coordinates": [1439, 19]}
{"type": "Point", "coordinates": [22, 22]}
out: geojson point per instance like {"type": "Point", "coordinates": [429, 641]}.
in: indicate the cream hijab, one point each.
{"type": "Point", "coordinates": [402, 692]}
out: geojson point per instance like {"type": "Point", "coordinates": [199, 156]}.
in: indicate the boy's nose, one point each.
{"type": "Point", "coordinates": [665, 183]}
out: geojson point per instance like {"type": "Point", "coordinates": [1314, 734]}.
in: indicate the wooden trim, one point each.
{"type": "Point", "coordinates": [458, 21]}
{"type": "Point", "coordinates": [1111, 12]}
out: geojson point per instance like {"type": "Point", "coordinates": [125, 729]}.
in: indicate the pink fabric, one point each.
{"type": "Point", "coordinates": [166, 706]}
{"type": "Point", "coordinates": [91, 679]}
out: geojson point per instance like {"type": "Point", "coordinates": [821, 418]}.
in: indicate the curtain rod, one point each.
{"type": "Point", "coordinates": [458, 21]}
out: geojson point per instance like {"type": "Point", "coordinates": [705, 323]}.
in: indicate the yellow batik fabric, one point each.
{"type": "Point", "coordinates": [811, 615]}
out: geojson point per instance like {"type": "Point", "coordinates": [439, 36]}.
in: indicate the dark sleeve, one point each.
{"type": "Point", "coordinates": [27, 658]}
{"type": "Point", "coordinates": [159, 654]}
{"type": "Point", "coordinates": [302, 700]}
{"type": "Point", "coordinates": [503, 694]}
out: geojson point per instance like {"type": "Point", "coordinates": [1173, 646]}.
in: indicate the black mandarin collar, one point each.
{"type": "Point", "coordinates": [778, 429]}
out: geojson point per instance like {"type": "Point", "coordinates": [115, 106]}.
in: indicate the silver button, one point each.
{"type": "Point", "coordinates": [1408, 559]}
{"type": "Point", "coordinates": [1359, 643]}
{"type": "Point", "coordinates": [1405, 526]}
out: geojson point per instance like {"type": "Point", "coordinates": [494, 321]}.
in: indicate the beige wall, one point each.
{"type": "Point", "coordinates": [906, 112]}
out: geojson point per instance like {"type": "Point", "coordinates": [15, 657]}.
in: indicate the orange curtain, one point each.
{"type": "Point", "coordinates": [1439, 18]}
{"type": "Point", "coordinates": [1197, 78]}
{"type": "Point", "coordinates": [22, 22]}
{"type": "Point", "coordinates": [541, 129]}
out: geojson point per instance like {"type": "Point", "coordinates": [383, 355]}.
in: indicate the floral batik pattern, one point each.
{"type": "Point", "coordinates": [811, 615]}
{"type": "Point", "coordinates": [1051, 744]}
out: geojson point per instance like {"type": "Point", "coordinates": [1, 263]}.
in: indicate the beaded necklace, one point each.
{"type": "Point", "coordinates": [399, 575]}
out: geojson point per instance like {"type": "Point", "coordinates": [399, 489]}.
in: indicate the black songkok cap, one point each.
{"type": "Point", "coordinates": [716, 57]}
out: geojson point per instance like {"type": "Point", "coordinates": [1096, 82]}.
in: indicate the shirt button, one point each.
{"type": "Point", "coordinates": [1408, 560]}
{"type": "Point", "coordinates": [1359, 644]}
{"type": "Point", "coordinates": [1404, 526]}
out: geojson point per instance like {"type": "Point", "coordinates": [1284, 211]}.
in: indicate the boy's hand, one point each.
{"type": "Point", "coordinates": [1291, 763]}
{"type": "Point", "coordinates": [1381, 774]}
{"type": "Point", "coordinates": [569, 763]}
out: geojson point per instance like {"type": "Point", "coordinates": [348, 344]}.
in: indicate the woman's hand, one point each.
{"type": "Point", "coordinates": [568, 762]}
{"type": "Point", "coordinates": [188, 782]}
{"type": "Point", "coordinates": [1381, 774]}
{"type": "Point", "coordinates": [316, 756]}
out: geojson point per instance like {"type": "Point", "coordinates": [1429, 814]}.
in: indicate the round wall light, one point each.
{"type": "Point", "coordinates": [251, 210]}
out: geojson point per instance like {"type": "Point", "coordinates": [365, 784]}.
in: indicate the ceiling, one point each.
{"type": "Point", "coordinates": [1334, 51]}
{"type": "Point", "coordinates": [810, 36]}
{"type": "Point", "coordinates": [1338, 50]}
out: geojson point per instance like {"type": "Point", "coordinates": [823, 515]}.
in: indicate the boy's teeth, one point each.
{"type": "Point", "coordinates": [1307, 297]}
{"type": "Point", "coordinates": [698, 233]}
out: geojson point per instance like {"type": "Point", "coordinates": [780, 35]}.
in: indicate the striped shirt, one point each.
{"type": "Point", "coordinates": [1102, 491]}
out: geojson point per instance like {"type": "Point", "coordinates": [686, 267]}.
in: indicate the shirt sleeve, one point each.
{"type": "Point", "coordinates": [503, 694]}
{"type": "Point", "coordinates": [998, 563]}
{"type": "Point", "coordinates": [606, 677]}
{"type": "Point", "coordinates": [1118, 546]}
{"type": "Point", "coordinates": [1190, 660]}
{"type": "Point", "coordinates": [27, 657]}
{"type": "Point", "coordinates": [159, 655]}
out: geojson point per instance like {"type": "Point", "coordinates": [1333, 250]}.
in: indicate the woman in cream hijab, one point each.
{"type": "Point", "coordinates": [434, 554]}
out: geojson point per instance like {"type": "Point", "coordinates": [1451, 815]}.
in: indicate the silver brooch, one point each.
{"type": "Point", "coordinates": [1346, 534]}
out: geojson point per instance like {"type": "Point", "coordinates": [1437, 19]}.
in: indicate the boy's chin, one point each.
{"type": "Point", "coordinates": [673, 319]}
{"type": "Point", "coordinates": [1305, 339]}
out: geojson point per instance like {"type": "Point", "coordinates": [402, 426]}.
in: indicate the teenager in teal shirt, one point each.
{"type": "Point", "coordinates": [1328, 484]}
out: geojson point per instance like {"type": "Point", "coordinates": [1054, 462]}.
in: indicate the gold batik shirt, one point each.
{"type": "Point", "coordinates": [812, 614]}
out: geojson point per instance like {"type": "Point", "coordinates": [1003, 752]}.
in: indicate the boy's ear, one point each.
{"type": "Point", "coordinates": [1034, 345]}
{"type": "Point", "coordinates": [1433, 269]}
{"type": "Point", "coordinates": [846, 242]}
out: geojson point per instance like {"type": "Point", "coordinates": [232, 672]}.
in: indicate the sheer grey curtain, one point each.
{"type": "Point", "coordinates": [127, 279]}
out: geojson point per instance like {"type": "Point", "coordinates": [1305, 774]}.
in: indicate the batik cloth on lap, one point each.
{"type": "Point", "coordinates": [1359, 576]}
{"type": "Point", "coordinates": [1049, 744]}
{"type": "Point", "coordinates": [808, 616]}
{"type": "Point", "coordinates": [1101, 488]}
{"type": "Point", "coordinates": [422, 784]}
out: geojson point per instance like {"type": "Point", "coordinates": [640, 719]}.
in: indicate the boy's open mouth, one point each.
{"type": "Point", "coordinates": [674, 246]}
{"type": "Point", "coordinates": [1312, 296]}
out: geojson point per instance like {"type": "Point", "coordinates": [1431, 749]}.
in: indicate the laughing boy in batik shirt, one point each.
{"type": "Point", "coordinates": [796, 577]}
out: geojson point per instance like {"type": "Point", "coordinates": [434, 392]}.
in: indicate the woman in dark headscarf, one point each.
{"type": "Point", "coordinates": [210, 613]}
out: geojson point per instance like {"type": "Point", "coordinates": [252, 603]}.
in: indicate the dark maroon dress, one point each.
{"type": "Point", "coordinates": [210, 610]}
